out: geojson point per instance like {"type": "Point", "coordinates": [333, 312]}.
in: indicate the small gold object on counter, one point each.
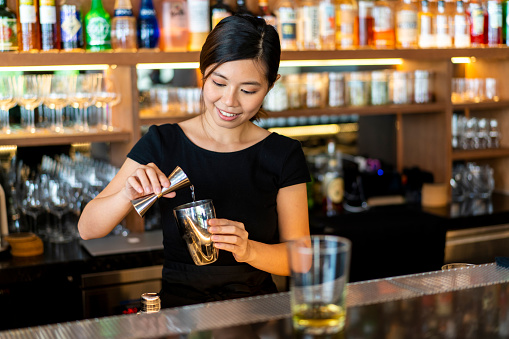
{"type": "Point", "coordinates": [25, 244]}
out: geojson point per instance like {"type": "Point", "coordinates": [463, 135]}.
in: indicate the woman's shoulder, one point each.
{"type": "Point", "coordinates": [282, 141]}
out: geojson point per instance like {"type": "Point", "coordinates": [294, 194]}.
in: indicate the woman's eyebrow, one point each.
{"type": "Point", "coordinates": [254, 83]}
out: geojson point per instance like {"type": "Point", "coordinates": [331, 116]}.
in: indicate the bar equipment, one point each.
{"type": "Point", "coordinates": [178, 179]}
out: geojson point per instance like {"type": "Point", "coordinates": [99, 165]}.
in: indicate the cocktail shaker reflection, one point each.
{"type": "Point", "coordinates": [178, 179]}
{"type": "Point", "coordinates": [192, 223]}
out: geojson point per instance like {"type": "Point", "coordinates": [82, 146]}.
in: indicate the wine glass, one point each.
{"type": "Point", "coordinates": [106, 97]}
{"type": "Point", "coordinates": [7, 101]}
{"type": "Point", "coordinates": [58, 206]}
{"type": "Point", "coordinates": [29, 95]}
{"type": "Point", "coordinates": [83, 97]}
{"type": "Point", "coordinates": [56, 97]}
{"type": "Point", "coordinates": [31, 204]}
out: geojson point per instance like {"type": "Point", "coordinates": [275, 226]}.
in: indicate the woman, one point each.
{"type": "Point", "coordinates": [255, 178]}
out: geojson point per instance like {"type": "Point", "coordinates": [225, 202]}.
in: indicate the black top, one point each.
{"type": "Point", "coordinates": [243, 186]}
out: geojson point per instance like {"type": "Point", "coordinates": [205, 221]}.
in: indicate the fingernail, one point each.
{"type": "Point", "coordinates": [158, 190]}
{"type": "Point", "coordinates": [212, 229]}
{"type": "Point", "coordinates": [147, 189]}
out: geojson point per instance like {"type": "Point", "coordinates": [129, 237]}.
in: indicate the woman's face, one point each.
{"type": "Point", "coordinates": [234, 92]}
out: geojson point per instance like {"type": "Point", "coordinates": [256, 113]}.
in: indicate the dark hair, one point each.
{"type": "Point", "coordinates": [240, 37]}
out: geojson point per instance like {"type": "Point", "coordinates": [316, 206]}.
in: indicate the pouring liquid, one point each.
{"type": "Point", "coordinates": [192, 193]}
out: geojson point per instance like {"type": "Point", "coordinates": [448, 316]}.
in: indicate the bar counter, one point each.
{"type": "Point", "coordinates": [463, 303]}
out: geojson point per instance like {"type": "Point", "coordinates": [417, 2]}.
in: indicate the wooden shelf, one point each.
{"type": "Point", "coordinates": [133, 58]}
{"type": "Point", "coordinates": [46, 139]}
{"type": "Point", "coordinates": [481, 105]}
{"type": "Point", "coordinates": [480, 154]}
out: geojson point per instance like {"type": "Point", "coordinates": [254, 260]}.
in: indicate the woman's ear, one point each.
{"type": "Point", "coordinates": [277, 78]}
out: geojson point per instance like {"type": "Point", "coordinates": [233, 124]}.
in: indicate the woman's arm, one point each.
{"type": "Point", "coordinates": [107, 210]}
{"type": "Point", "coordinates": [293, 221]}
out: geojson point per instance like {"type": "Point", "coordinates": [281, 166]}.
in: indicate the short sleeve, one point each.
{"type": "Point", "coordinates": [148, 149]}
{"type": "Point", "coordinates": [295, 169]}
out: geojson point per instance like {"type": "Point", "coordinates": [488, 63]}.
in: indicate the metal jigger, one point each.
{"type": "Point", "coordinates": [178, 179]}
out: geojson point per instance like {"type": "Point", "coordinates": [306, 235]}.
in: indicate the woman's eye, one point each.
{"type": "Point", "coordinates": [248, 92]}
{"type": "Point", "coordinates": [218, 84]}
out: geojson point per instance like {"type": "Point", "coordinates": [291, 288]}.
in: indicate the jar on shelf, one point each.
{"type": "Point", "coordinates": [277, 98]}
{"type": "Point", "coordinates": [315, 90]}
{"type": "Point", "coordinates": [379, 88]}
{"type": "Point", "coordinates": [294, 90]}
{"type": "Point", "coordinates": [357, 88]}
{"type": "Point", "coordinates": [423, 86]}
{"type": "Point", "coordinates": [336, 89]}
{"type": "Point", "coordinates": [400, 87]}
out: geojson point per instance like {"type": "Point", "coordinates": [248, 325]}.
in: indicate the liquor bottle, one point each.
{"type": "Point", "coordinates": [123, 27]}
{"type": "Point", "coordinates": [98, 28]}
{"type": "Point", "coordinates": [332, 183]}
{"type": "Point", "coordinates": [28, 26]}
{"type": "Point", "coordinates": [461, 27]}
{"type": "Point", "coordinates": [8, 29]}
{"type": "Point", "coordinates": [71, 26]}
{"type": "Point", "coordinates": [265, 13]}
{"type": "Point", "coordinates": [327, 19]}
{"type": "Point", "coordinates": [308, 26]}
{"type": "Point", "coordinates": [406, 25]}
{"type": "Point", "coordinates": [426, 26]}
{"type": "Point", "coordinates": [365, 23]}
{"type": "Point", "coordinates": [48, 20]}
{"type": "Point", "coordinates": [443, 35]}
{"type": "Point", "coordinates": [218, 12]}
{"type": "Point", "coordinates": [286, 18]}
{"type": "Point", "coordinates": [494, 8]}
{"type": "Point", "coordinates": [346, 12]}
{"type": "Point", "coordinates": [478, 18]}
{"type": "Point", "coordinates": [383, 26]}
{"type": "Point", "coordinates": [148, 29]}
{"type": "Point", "coordinates": [175, 27]}
{"type": "Point", "coordinates": [242, 8]}
{"type": "Point", "coordinates": [199, 23]}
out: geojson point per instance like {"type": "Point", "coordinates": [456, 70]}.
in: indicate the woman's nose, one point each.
{"type": "Point", "coordinates": [229, 97]}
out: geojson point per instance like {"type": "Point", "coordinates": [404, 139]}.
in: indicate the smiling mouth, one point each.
{"type": "Point", "coordinates": [226, 114]}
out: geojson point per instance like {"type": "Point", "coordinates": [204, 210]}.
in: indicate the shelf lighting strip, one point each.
{"type": "Point", "coordinates": [461, 60]}
{"type": "Point", "coordinates": [54, 68]}
{"type": "Point", "coordinates": [302, 131]}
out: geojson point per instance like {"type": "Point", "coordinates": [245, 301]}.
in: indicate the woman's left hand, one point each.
{"type": "Point", "coordinates": [230, 236]}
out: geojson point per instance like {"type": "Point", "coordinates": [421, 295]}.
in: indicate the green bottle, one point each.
{"type": "Point", "coordinates": [98, 28]}
{"type": "Point", "coordinates": [8, 29]}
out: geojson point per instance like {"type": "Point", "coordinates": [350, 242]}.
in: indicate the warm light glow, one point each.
{"type": "Point", "coordinates": [301, 131]}
{"type": "Point", "coordinates": [460, 60]}
{"type": "Point", "coordinates": [341, 62]}
{"type": "Point", "coordinates": [54, 68]}
{"type": "Point", "coordinates": [174, 65]}
{"type": "Point", "coordinates": [8, 149]}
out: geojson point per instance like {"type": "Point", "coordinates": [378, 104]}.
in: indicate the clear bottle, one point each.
{"type": "Point", "coordinates": [148, 29]}
{"type": "Point", "coordinates": [383, 26]}
{"type": "Point", "coordinates": [286, 18]}
{"type": "Point", "coordinates": [265, 13]}
{"type": "Point", "coordinates": [123, 27]}
{"type": "Point", "coordinates": [406, 25]}
{"type": "Point", "coordinates": [327, 19]}
{"type": "Point", "coordinates": [365, 23]}
{"type": "Point", "coordinates": [218, 12]}
{"type": "Point", "coordinates": [174, 26]}
{"type": "Point", "coordinates": [71, 26]}
{"type": "Point", "coordinates": [199, 23]}
{"type": "Point", "coordinates": [8, 29]}
{"type": "Point", "coordinates": [98, 28]}
{"type": "Point", "coordinates": [443, 35]}
{"type": "Point", "coordinates": [28, 26]}
{"type": "Point", "coordinates": [308, 25]}
{"type": "Point", "coordinates": [461, 26]}
{"type": "Point", "coordinates": [494, 8]}
{"type": "Point", "coordinates": [426, 26]}
{"type": "Point", "coordinates": [49, 27]}
{"type": "Point", "coordinates": [478, 18]}
{"type": "Point", "coordinates": [346, 12]}
{"type": "Point", "coordinates": [333, 184]}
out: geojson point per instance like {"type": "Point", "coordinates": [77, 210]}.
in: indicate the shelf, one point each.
{"type": "Point", "coordinates": [480, 154]}
{"type": "Point", "coordinates": [46, 139]}
{"type": "Point", "coordinates": [481, 105]}
{"type": "Point", "coordinates": [133, 58]}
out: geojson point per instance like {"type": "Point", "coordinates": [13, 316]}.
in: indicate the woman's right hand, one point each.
{"type": "Point", "coordinates": [145, 180]}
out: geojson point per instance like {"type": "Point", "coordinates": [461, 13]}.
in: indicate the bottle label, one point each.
{"type": "Point", "coordinates": [494, 14]}
{"type": "Point", "coordinates": [70, 23]}
{"type": "Point", "coordinates": [345, 21]}
{"type": "Point", "coordinates": [47, 3]}
{"type": "Point", "coordinates": [8, 34]}
{"type": "Point", "coordinates": [327, 19]}
{"type": "Point", "coordinates": [98, 31]}
{"type": "Point", "coordinates": [144, 12]}
{"type": "Point", "coordinates": [219, 14]}
{"type": "Point", "coordinates": [27, 13]}
{"type": "Point", "coordinates": [335, 190]}
{"type": "Point", "coordinates": [288, 22]}
{"type": "Point", "coordinates": [477, 16]}
{"type": "Point", "coordinates": [406, 22]}
{"type": "Point", "coordinates": [174, 15]}
{"type": "Point", "coordinates": [123, 12]}
{"type": "Point", "coordinates": [310, 23]}
{"type": "Point", "coordinates": [442, 25]}
{"type": "Point", "coordinates": [48, 14]}
{"type": "Point", "coordinates": [383, 19]}
{"type": "Point", "coordinates": [199, 21]}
